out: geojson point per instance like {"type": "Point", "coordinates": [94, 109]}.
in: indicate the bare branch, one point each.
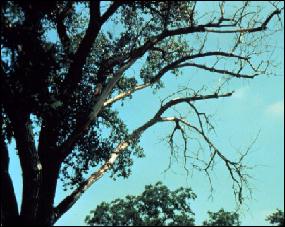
{"type": "Point", "coordinates": [75, 195]}
{"type": "Point", "coordinates": [236, 169]}
{"type": "Point", "coordinates": [82, 126]}
{"type": "Point", "coordinates": [176, 101]}
{"type": "Point", "coordinates": [221, 71]}
{"type": "Point", "coordinates": [138, 52]}
{"type": "Point", "coordinates": [248, 30]}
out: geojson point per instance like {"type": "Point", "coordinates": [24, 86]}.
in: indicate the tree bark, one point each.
{"type": "Point", "coordinates": [31, 167]}
{"type": "Point", "coordinates": [48, 154]}
{"type": "Point", "coordinates": [47, 193]}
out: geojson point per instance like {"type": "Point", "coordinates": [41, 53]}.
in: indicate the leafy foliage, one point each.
{"type": "Point", "coordinates": [276, 218]}
{"type": "Point", "coordinates": [222, 218]}
{"type": "Point", "coordinates": [156, 206]}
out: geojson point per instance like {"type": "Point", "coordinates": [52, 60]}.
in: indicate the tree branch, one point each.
{"type": "Point", "coordinates": [185, 30]}
{"type": "Point", "coordinates": [236, 169]}
{"type": "Point", "coordinates": [83, 125]}
{"type": "Point", "coordinates": [176, 101]}
{"type": "Point", "coordinates": [221, 71]}
{"type": "Point", "coordinates": [95, 23]}
{"type": "Point", "coordinates": [135, 54]}
{"type": "Point", "coordinates": [61, 29]}
{"type": "Point", "coordinates": [176, 64]}
{"type": "Point", "coordinates": [111, 10]}
{"type": "Point", "coordinates": [29, 158]}
{"type": "Point", "coordinates": [75, 71]}
{"type": "Point", "coordinates": [248, 30]}
{"type": "Point", "coordinates": [125, 94]}
{"type": "Point", "coordinates": [30, 164]}
{"type": "Point", "coordinates": [73, 197]}
{"type": "Point", "coordinates": [70, 200]}
{"type": "Point", "coordinates": [138, 52]}
{"type": "Point", "coordinates": [167, 68]}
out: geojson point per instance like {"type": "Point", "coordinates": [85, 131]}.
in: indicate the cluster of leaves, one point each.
{"type": "Point", "coordinates": [139, 21]}
{"type": "Point", "coordinates": [156, 206]}
{"type": "Point", "coordinates": [88, 153]}
{"type": "Point", "coordinates": [164, 15]}
{"type": "Point", "coordinates": [160, 56]}
{"type": "Point", "coordinates": [276, 218]}
{"type": "Point", "coordinates": [222, 218]}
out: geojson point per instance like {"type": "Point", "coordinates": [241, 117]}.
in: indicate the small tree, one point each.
{"type": "Point", "coordinates": [276, 218]}
{"type": "Point", "coordinates": [156, 206]}
{"type": "Point", "coordinates": [222, 218]}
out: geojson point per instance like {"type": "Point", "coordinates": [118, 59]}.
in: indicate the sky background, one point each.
{"type": "Point", "coordinates": [256, 107]}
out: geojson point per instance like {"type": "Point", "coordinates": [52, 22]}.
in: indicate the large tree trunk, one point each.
{"type": "Point", "coordinates": [30, 164]}
{"type": "Point", "coordinates": [47, 193]}
{"type": "Point", "coordinates": [48, 153]}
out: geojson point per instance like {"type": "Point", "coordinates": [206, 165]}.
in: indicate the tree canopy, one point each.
{"type": "Point", "coordinates": [156, 206]}
{"type": "Point", "coordinates": [276, 218]}
{"type": "Point", "coordinates": [64, 69]}
{"type": "Point", "coordinates": [222, 218]}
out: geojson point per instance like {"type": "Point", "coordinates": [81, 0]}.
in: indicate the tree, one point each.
{"type": "Point", "coordinates": [156, 206]}
{"type": "Point", "coordinates": [59, 95]}
{"type": "Point", "coordinates": [222, 218]}
{"type": "Point", "coordinates": [276, 218]}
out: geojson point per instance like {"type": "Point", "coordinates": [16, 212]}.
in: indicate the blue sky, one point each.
{"type": "Point", "coordinates": [256, 107]}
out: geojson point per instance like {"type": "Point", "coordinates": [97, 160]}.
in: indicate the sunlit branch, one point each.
{"type": "Point", "coordinates": [83, 125]}
{"type": "Point", "coordinates": [75, 195]}
{"type": "Point", "coordinates": [125, 94]}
